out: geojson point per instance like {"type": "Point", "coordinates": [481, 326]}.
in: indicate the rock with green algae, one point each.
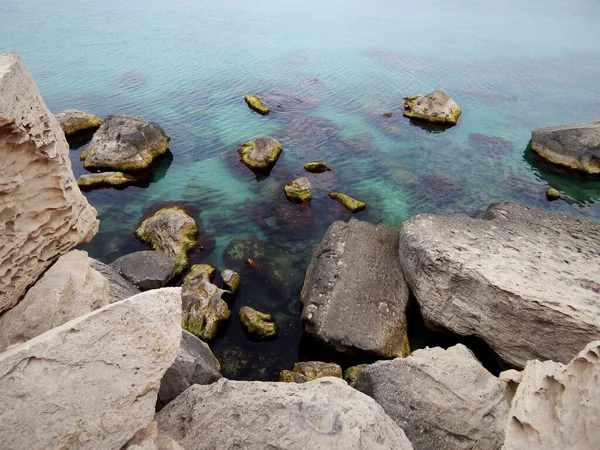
{"type": "Point", "coordinates": [256, 104]}
{"type": "Point", "coordinates": [316, 167]}
{"type": "Point", "coordinates": [552, 194]}
{"type": "Point", "coordinates": [126, 144]}
{"type": "Point", "coordinates": [231, 280]}
{"type": "Point", "coordinates": [258, 324]}
{"type": "Point", "coordinates": [260, 154]}
{"type": "Point", "coordinates": [103, 179]}
{"type": "Point", "coordinates": [203, 306]}
{"type": "Point", "coordinates": [73, 121]}
{"type": "Point", "coordinates": [298, 190]}
{"type": "Point", "coordinates": [288, 376]}
{"type": "Point", "coordinates": [317, 369]}
{"type": "Point", "coordinates": [240, 249]}
{"type": "Point", "coordinates": [172, 231]}
{"type": "Point", "coordinates": [436, 107]}
{"type": "Point", "coordinates": [351, 374]}
{"type": "Point", "coordinates": [351, 204]}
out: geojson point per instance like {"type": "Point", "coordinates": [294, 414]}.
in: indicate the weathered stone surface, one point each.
{"type": "Point", "coordinates": [576, 146]}
{"type": "Point", "coordinates": [298, 190]}
{"type": "Point", "coordinates": [352, 374]}
{"type": "Point", "coordinates": [318, 369]}
{"type": "Point", "coordinates": [92, 382]}
{"type": "Point", "coordinates": [231, 280]}
{"type": "Point", "coordinates": [69, 289]}
{"type": "Point", "coordinates": [289, 376]}
{"type": "Point", "coordinates": [146, 269]}
{"type": "Point", "coordinates": [442, 399]}
{"type": "Point", "coordinates": [552, 194]}
{"type": "Point", "coordinates": [255, 104]}
{"type": "Point", "coordinates": [125, 143]}
{"type": "Point", "coordinates": [149, 439]}
{"type": "Point", "coordinates": [316, 167]}
{"type": "Point", "coordinates": [74, 121]}
{"type": "Point", "coordinates": [44, 215]}
{"type": "Point", "coordinates": [261, 154]}
{"type": "Point", "coordinates": [171, 231]}
{"type": "Point", "coordinates": [323, 414]}
{"type": "Point", "coordinates": [119, 287]}
{"type": "Point", "coordinates": [556, 406]}
{"type": "Point", "coordinates": [194, 364]}
{"type": "Point", "coordinates": [351, 204]}
{"type": "Point", "coordinates": [95, 180]}
{"type": "Point", "coordinates": [524, 281]}
{"type": "Point", "coordinates": [436, 107]}
{"type": "Point", "coordinates": [257, 324]}
{"type": "Point", "coordinates": [354, 294]}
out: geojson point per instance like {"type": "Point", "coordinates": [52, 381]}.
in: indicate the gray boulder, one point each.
{"type": "Point", "coordinates": [119, 288]}
{"type": "Point", "coordinates": [523, 280]}
{"type": "Point", "coordinates": [194, 364]}
{"type": "Point", "coordinates": [74, 121]}
{"type": "Point", "coordinates": [125, 144]}
{"type": "Point", "coordinates": [576, 146]}
{"type": "Point", "coordinates": [354, 295]}
{"type": "Point", "coordinates": [442, 399]}
{"type": "Point", "coordinates": [253, 415]}
{"type": "Point", "coordinates": [260, 154]}
{"type": "Point", "coordinates": [146, 270]}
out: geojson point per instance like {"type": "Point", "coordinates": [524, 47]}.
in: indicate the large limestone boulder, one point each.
{"type": "Point", "coordinates": [44, 215]}
{"type": "Point", "coordinates": [119, 287]}
{"type": "Point", "coordinates": [73, 121]}
{"type": "Point", "coordinates": [92, 382]}
{"type": "Point", "coordinates": [125, 144]}
{"type": "Point", "coordinates": [253, 415]}
{"type": "Point", "coordinates": [442, 399]}
{"type": "Point", "coordinates": [576, 146]}
{"type": "Point", "coordinates": [557, 406]}
{"type": "Point", "coordinates": [146, 270]}
{"type": "Point", "coordinates": [194, 364]}
{"type": "Point", "coordinates": [69, 289]}
{"type": "Point", "coordinates": [436, 107]}
{"type": "Point", "coordinates": [260, 154]}
{"type": "Point", "coordinates": [149, 439]}
{"type": "Point", "coordinates": [523, 280]}
{"type": "Point", "coordinates": [354, 295]}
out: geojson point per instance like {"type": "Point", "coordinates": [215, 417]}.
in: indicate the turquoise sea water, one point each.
{"type": "Point", "coordinates": [512, 66]}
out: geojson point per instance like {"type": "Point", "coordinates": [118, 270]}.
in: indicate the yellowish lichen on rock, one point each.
{"type": "Point", "coordinates": [351, 204]}
{"type": "Point", "coordinates": [256, 104]}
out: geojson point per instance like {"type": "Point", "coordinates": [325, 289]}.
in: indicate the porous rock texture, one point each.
{"type": "Point", "coordinates": [557, 406]}
{"type": "Point", "coordinates": [92, 382]}
{"type": "Point", "coordinates": [149, 439]}
{"type": "Point", "coordinates": [43, 213]}
{"type": "Point", "coordinates": [442, 399]}
{"type": "Point", "coordinates": [69, 289]}
{"type": "Point", "coordinates": [354, 295]}
{"type": "Point", "coordinates": [253, 415]}
{"type": "Point", "coordinates": [525, 281]}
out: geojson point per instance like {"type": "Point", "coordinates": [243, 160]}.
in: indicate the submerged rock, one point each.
{"type": "Point", "coordinates": [298, 190]}
{"type": "Point", "coordinates": [322, 414]}
{"type": "Point", "coordinates": [576, 146]}
{"type": "Point", "coordinates": [556, 406]}
{"type": "Point", "coordinates": [352, 374]}
{"type": "Point", "coordinates": [436, 107]}
{"type": "Point", "coordinates": [354, 295]}
{"type": "Point", "coordinates": [283, 101]}
{"type": "Point", "coordinates": [351, 204]}
{"type": "Point", "coordinates": [240, 249]}
{"type": "Point", "coordinates": [171, 231]}
{"type": "Point", "coordinates": [231, 280]}
{"type": "Point", "coordinates": [259, 325]}
{"type": "Point", "coordinates": [524, 281]}
{"type": "Point", "coordinates": [92, 382]}
{"type": "Point", "coordinates": [119, 288]}
{"type": "Point", "coordinates": [94, 180]}
{"type": "Point", "coordinates": [146, 270]}
{"type": "Point", "coordinates": [261, 154]}
{"type": "Point", "coordinates": [44, 215]}
{"type": "Point", "coordinates": [73, 121]}
{"type": "Point", "coordinates": [316, 167]}
{"type": "Point", "coordinates": [317, 369]}
{"type": "Point", "coordinates": [490, 144]}
{"type": "Point", "coordinates": [256, 104]}
{"type": "Point", "coordinates": [442, 399]}
{"type": "Point", "coordinates": [126, 144]}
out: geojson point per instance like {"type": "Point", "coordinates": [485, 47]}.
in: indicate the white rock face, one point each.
{"type": "Point", "coordinates": [253, 415]}
{"type": "Point", "coordinates": [442, 399]}
{"type": "Point", "coordinates": [525, 281]}
{"type": "Point", "coordinates": [92, 382]}
{"type": "Point", "coordinates": [557, 406]}
{"type": "Point", "coordinates": [69, 289]}
{"type": "Point", "coordinates": [44, 215]}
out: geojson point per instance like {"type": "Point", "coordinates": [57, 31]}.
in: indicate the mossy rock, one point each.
{"type": "Point", "coordinates": [257, 324]}
{"type": "Point", "coordinates": [351, 204]}
{"type": "Point", "coordinates": [351, 374]}
{"type": "Point", "coordinates": [287, 376]}
{"type": "Point", "coordinates": [298, 190]}
{"type": "Point", "coordinates": [94, 180]}
{"type": "Point", "coordinates": [231, 280]}
{"type": "Point", "coordinates": [552, 194]}
{"type": "Point", "coordinates": [317, 369]}
{"type": "Point", "coordinates": [73, 121]}
{"type": "Point", "coordinates": [256, 104]}
{"type": "Point", "coordinates": [240, 249]}
{"type": "Point", "coordinates": [204, 272]}
{"type": "Point", "coordinates": [260, 154]}
{"type": "Point", "coordinates": [316, 167]}
{"type": "Point", "coordinates": [436, 107]}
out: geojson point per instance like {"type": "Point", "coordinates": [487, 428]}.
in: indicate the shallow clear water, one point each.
{"type": "Point", "coordinates": [512, 66]}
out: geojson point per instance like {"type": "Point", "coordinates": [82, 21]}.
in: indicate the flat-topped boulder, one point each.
{"type": "Point", "coordinates": [260, 154]}
{"type": "Point", "coordinates": [254, 415]}
{"type": "Point", "coordinates": [44, 215]}
{"type": "Point", "coordinates": [73, 121]}
{"type": "Point", "coordinates": [105, 179]}
{"type": "Point", "coordinates": [146, 270]}
{"type": "Point", "coordinates": [576, 146]}
{"type": "Point", "coordinates": [354, 295]}
{"type": "Point", "coordinates": [436, 107]}
{"type": "Point", "coordinates": [125, 144]}
{"type": "Point", "coordinates": [524, 281]}
{"type": "Point", "coordinates": [442, 399]}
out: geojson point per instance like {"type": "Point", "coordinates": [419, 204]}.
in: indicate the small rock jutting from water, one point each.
{"type": "Point", "coordinates": [261, 154]}
{"type": "Point", "coordinates": [552, 194]}
{"type": "Point", "coordinates": [73, 121]}
{"type": "Point", "coordinates": [102, 179]}
{"type": "Point", "coordinates": [436, 107]}
{"type": "Point", "coordinates": [388, 114]}
{"type": "Point", "coordinates": [316, 167]}
{"type": "Point", "coordinates": [231, 280]}
{"type": "Point", "coordinates": [256, 104]}
{"type": "Point", "coordinates": [351, 204]}
{"type": "Point", "coordinates": [149, 269]}
{"type": "Point", "coordinates": [257, 324]}
{"type": "Point", "coordinates": [298, 190]}
{"type": "Point", "coordinates": [317, 369]}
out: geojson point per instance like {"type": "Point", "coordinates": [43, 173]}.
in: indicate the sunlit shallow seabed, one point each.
{"type": "Point", "coordinates": [512, 66]}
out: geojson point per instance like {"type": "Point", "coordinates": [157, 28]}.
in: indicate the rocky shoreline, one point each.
{"type": "Point", "coordinates": [96, 356]}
